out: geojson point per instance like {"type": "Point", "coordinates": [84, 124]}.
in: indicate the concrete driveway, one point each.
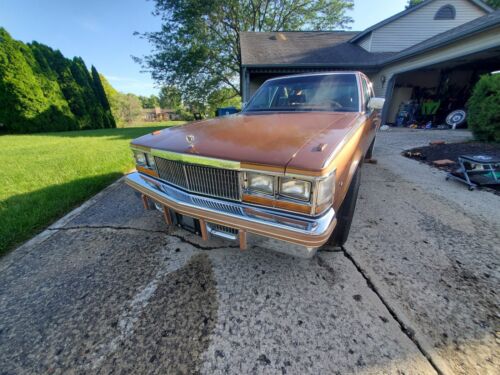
{"type": "Point", "coordinates": [110, 289]}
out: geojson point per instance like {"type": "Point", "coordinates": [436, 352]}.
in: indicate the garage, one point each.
{"type": "Point", "coordinates": [437, 95]}
{"type": "Point", "coordinates": [424, 60]}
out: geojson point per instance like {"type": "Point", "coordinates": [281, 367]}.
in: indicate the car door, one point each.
{"type": "Point", "coordinates": [372, 116]}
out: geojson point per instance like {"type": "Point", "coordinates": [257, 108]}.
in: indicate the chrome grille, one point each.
{"type": "Point", "coordinates": [223, 228]}
{"type": "Point", "coordinates": [214, 182]}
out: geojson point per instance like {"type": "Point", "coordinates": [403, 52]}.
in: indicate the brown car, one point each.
{"type": "Point", "coordinates": [284, 173]}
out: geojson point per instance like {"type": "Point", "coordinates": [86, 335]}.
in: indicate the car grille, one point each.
{"type": "Point", "coordinates": [214, 182]}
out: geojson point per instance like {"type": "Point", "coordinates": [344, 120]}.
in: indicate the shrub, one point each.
{"type": "Point", "coordinates": [484, 109]}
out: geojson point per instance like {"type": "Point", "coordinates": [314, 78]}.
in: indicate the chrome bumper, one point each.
{"type": "Point", "coordinates": [280, 231]}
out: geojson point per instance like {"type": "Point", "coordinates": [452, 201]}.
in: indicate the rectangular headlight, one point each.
{"type": "Point", "coordinates": [260, 182]}
{"type": "Point", "coordinates": [151, 161]}
{"type": "Point", "coordinates": [140, 158]}
{"type": "Point", "coordinates": [297, 189]}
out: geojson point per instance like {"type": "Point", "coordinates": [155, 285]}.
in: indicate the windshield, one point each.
{"type": "Point", "coordinates": [332, 92]}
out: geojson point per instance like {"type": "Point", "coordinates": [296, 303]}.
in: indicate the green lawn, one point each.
{"type": "Point", "coordinates": [43, 176]}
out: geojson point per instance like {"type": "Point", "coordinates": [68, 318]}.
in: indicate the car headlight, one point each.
{"type": "Point", "coordinates": [151, 161]}
{"type": "Point", "coordinates": [326, 190]}
{"type": "Point", "coordinates": [298, 189]}
{"type": "Point", "coordinates": [260, 182]}
{"type": "Point", "coordinates": [140, 158]}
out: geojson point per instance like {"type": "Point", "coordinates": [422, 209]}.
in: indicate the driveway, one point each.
{"type": "Point", "coordinates": [111, 289]}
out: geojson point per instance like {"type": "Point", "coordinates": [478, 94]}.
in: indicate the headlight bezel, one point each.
{"type": "Point", "coordinates": [287, 180]}
{"type": "Point", "coordinates": [144, 159]}
{"type": "Point", "coordinates": [140, 158]}
{"type": "Point", "coordinates": [250, 188]}
{"type": "Point", "coordinates": [324, 192]}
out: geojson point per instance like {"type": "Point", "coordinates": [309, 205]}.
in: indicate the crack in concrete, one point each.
{"type": "Point", "coordinates": [181, 238]}
{"type": "Point", "coordinates": [201, 247]}
{"type": "Point", "coordinates": [408, 331]}
{"type": "Point", "coordinates": [106, 227]}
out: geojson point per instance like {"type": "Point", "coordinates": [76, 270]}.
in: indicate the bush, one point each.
{"type": "Point", "coordinates": [484, 109]}
{"type": "Point", "coordinates": [184, 114]}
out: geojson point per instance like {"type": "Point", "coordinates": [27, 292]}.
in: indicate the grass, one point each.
{"type": "Point", "coordinates": [43, 176]}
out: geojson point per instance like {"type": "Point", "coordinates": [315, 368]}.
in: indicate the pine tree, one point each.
{"type": "Point", "coordinates": [101, 95]}
{"type": "Point", "coordinates": [31, 101]}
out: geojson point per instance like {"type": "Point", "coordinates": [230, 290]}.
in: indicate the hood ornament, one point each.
{"type": "Point", "coordinates": [190, 140]}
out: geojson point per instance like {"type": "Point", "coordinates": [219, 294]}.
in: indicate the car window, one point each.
{"type": "Point", "coordinates": [329, 92]}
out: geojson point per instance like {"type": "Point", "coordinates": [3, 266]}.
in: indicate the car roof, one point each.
{"type": "Point", "coordinates": [314, 74]}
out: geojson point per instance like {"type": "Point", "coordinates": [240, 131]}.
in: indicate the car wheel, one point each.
{"type": "Point", "coordinates": [369, 152]}
{"type": "Point", "coordinates": [346, 212]}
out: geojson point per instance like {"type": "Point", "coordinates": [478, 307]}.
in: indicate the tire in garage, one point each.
{"type": "Point", "coordinates": [346, 212]}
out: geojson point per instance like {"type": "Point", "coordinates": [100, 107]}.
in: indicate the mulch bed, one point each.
{"type": "Point", "coordinates": [451, 151]}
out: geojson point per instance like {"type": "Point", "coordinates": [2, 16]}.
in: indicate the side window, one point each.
{"type": "Point", "coordinates": [367, 92]}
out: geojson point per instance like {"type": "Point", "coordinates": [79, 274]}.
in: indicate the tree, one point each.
{"type": "Point", "coordinates": [113, 97]}
{"type": "Point", "coordinates": [130, 108]}
{"type": "Point", "coordinates": [31, 100]}
{"type": "Point", "coordinates": [224, 97]}
{"type": "Point", "coordinates": [151, 101]}
{"type": "Point", "coordinates": [103, 99]}
{"type": "Point", "coordinates": [197, 49]}
{"type": "Point", "coordinates": [495, 4]}
{"type": "Point", "coordinates": [170, 97]}
{"type": "Point", "coordinates": [412, 3]}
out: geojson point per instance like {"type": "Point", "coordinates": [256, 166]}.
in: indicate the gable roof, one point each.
{"type": "Point", "coordinates": [304, 48]}
{"type": "Point", "coordinates": [399, 15]}
{"type": "Point", "coordinates": [460, 32]}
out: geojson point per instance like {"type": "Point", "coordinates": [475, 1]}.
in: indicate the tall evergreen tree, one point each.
{"type": "Point", "coordinates": [31, 100]}
{"type": "Point", "coordinates": [101, 95]}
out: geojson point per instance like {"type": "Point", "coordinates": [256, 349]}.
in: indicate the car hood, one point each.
{"type": "Point", "coordinates": [264, 139]}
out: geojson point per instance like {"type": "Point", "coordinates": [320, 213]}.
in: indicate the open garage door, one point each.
{"type": "Point", "coordinates": [427, 96]}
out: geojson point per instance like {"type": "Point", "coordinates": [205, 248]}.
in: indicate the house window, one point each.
{"type": "Point", "coordinates": [446, 12]}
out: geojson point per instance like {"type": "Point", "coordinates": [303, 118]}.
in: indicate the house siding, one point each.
{"type": "Point", "coordinates": [421, 25]}
{"type": "Point", "coordinates": [484, 41]}
{"type": "Point", "coordinates": [366, 42]}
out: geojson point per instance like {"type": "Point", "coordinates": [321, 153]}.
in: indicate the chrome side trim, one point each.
{"type": "Point", "coordinates": [196, 159]}
{"type": "Point", "coordinates": [308, 226]}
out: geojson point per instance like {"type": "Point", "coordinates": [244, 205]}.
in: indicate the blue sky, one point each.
{"type": "Point", "coordinates": [100, 31]}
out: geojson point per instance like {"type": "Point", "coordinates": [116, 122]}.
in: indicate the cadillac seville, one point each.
{"type": "Point", "coordinates": [283, 174]}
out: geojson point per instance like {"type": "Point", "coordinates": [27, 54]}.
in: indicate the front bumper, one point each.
{"type": "Point", "coordinates": [284, 232]}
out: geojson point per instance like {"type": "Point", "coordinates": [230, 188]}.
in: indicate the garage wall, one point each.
{"type": "Point", "coordinates": [480, 42]}
{"type": "Point", "coordinates": [421, 25]}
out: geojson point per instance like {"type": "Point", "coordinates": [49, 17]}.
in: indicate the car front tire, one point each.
{"type": "Point", "coordinates": [346, 212]}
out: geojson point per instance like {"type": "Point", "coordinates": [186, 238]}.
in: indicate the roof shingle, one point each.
{"type": "Point", "coordinates": [304, 48]}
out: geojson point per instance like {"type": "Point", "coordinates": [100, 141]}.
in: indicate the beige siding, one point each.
{"type": "Point", "coordinates": [366, 42]}
{"type": "Point", "coordinates": [481, 42]}
{"type": "Point", "coordinates": [421, 25]}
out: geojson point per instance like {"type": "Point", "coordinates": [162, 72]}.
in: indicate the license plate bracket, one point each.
{"type": "Point", "coordinates": [188, 223]}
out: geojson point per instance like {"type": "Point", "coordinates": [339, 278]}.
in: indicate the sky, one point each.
{"type": "Point", "coordinates": [101, 31]}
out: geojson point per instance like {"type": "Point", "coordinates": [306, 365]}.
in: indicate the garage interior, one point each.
{"type": "Point", "coordinates": [425, 97]}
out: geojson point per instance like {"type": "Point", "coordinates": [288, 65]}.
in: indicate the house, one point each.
{"type": "Point", "coordinates": [158, 114]}
{"type": "Point", "coordinates": [435, 49]}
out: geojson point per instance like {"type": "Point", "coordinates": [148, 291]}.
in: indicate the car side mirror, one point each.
{"type": "Point", "coordinates": [376, 104]}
